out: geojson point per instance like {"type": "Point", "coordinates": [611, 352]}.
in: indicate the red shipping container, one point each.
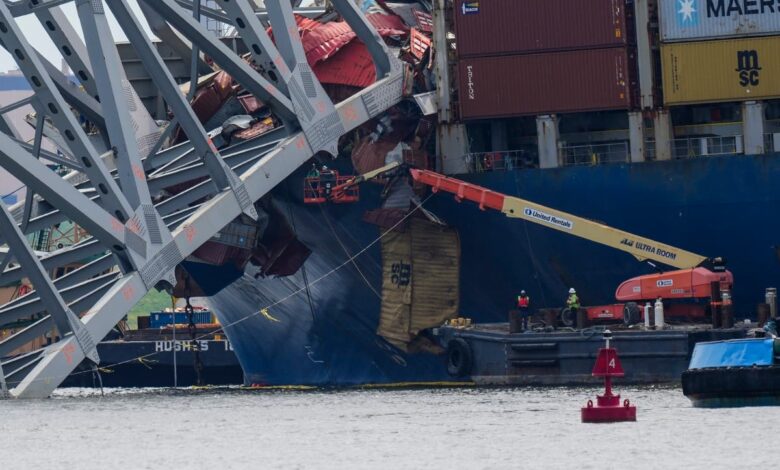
{"type": "Point", "coordinates": [498, 27]}
{"type": "Point", "coordinates": [559, 82]}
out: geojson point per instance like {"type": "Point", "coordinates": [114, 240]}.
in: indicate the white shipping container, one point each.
{"type": "Point", "coordinates": [684, 20]}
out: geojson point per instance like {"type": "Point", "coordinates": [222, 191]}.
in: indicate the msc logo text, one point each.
{"type": "Point", "coordinates": [748, 68]}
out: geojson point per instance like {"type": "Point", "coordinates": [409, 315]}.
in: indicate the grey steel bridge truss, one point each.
{"type": "Point", "coordinates": [116, 173]}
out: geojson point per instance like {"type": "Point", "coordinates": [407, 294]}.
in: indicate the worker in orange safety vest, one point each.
{"type": "Point", "coordinates": [524, 305]}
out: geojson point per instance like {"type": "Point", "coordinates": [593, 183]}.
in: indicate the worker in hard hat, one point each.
{"type": "Point", "coordinates": [524, 305]}
{"type": "Point", "coordinates": [573, 302]}
{"type": "Point", "coordinates": [327, 180]}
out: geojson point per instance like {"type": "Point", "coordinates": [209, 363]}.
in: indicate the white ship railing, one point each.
{"type": "Point", "coordinates": [691, 147]}
{"type": "Point", "coordinates": [595, 154]}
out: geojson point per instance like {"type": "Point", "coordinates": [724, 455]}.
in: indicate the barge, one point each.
{"type": "Point", "coordinates": [166, 350]}
{"type": "Point", "coordinates": [131, 364]}
{"type": "Point", "coordinates": [489, 354]}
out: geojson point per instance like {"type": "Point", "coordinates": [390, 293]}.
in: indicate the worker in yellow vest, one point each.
{"type": "Point", "coordinates": [573, 302]}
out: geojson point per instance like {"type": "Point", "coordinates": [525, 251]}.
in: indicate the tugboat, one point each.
{"type": "Point", "coordinates": [732, 373]}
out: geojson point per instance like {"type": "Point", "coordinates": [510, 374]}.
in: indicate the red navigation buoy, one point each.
{"type": "Point", "coordinates": [608, 408]}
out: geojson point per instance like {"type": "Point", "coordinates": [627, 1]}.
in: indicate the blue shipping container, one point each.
{"type": "Point", "coordinates": [161, 319]}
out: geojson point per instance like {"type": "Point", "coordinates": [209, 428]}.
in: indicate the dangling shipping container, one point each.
{"type": "Point", "coordinates": [560, 82]}
{"type": "Point", "coordinates": [727, 70]}
{"type": "Point", "coordinates": [499, 27]}
{"type": "Point", "coordinates": [685, 20]}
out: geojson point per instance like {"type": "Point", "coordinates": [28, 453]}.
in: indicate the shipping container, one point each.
{"type": "Point", "coordinates": [499, 27]}
{"type": "Point", "coordinates": [559, 82]}
{"type": "Point", "coordinates": [685, 20]}
{"type": "Point", "coordinates": [163, 319]}
{"type": "Point", "coordinates": [726, 70]}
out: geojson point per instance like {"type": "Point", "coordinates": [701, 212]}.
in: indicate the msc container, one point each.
{"type": "Point", "coordinates": [727, 70]}
{"type": "Point", "coordinates": [497, 27]}
{"type": "Point", "coordinates": [559, 82]}
{"type": "Point", "coordinates": [685, 20]}
{"type": "Point", "coordinates": [162, 319]}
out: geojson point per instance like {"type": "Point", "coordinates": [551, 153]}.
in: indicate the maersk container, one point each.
{"type": "Point", "coordinates": [686, 20]}
{"type": "Point", "coordinates": [725, 70]}
{"type": "Point", "coordinates": [496, 27]}
{"type": "Point", "coordinates": [559, 82]}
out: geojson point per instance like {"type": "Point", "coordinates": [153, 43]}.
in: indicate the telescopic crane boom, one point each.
{"type": "Point", "coordinates": [640, 247]}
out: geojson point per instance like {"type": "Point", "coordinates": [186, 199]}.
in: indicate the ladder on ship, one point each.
{"type": "Point", "coordinates": [136, 239]}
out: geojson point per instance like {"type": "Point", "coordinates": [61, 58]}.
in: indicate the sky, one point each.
{"type": "Point", "coordinates": [40, 40]}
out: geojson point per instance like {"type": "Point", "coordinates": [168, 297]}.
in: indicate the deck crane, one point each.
{"type": "Point", "coordinates": [696, 278]}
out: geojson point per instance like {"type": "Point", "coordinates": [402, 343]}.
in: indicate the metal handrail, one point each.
{"type": "Point", "coordinates": [699, 146]}
{"type": "Point", "coordinates": [595, 154]}
{"type": "Point", "coordinates": [507, 160]}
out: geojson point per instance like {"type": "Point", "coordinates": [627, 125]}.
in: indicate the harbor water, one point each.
{"type": "Point", "coordinates": [376, 428]}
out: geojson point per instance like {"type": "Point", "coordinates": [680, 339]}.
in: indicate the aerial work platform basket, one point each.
{"type": "Point", "coordinates": [330, 186]}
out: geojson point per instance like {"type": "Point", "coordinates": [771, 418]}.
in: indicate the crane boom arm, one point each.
{"type": "Point", "coordinates": [640, 247]}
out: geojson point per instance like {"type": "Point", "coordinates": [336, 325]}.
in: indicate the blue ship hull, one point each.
{"type": "Point", "coordinates": [326, 334]}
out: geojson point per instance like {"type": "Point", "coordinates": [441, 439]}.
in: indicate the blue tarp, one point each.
{"type": "Point", "coordinates": [733, 353]}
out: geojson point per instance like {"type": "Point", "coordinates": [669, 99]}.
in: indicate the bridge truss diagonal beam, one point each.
{"type": "Point", "coordinates": [138, 230]}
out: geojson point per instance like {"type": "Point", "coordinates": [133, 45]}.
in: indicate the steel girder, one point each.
{"type": "Point", "coordinates": [138, 243]}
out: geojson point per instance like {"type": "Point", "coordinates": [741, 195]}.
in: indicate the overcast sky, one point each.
{"type": "Point", "coordinates": [35, 33]}
{"type": "Point", "coordinates": [40, 40]}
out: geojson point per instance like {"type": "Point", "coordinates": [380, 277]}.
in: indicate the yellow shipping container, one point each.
{"type": "Point", "coordinates": [728, 70]}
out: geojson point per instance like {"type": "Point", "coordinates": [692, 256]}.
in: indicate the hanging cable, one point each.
{"type": "Point", "coordinates": [346, 251]}
{"type": "Point", "coordinates": [194, 345]}
{"type": "Point", "coordinates": [303, 267]}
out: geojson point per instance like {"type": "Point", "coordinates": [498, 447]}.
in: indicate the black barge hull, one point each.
{"type": "Point", "coordinates": [130, 364]}
{"type": "Point", "coordinates": [733, 386]}
{"type": "Point", "coordinates": [490, 355]}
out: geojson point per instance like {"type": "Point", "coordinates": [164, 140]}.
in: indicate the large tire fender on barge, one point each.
{"type": "Point", "coordinates": [568, 317]}
{"type": "Point", "coordinates": [631, 314]}
{"type": "Point", "coordinates": [459, 358]}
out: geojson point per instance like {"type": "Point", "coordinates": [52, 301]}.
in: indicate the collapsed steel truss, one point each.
{"type": "Point", "coordinates": [137, 241]}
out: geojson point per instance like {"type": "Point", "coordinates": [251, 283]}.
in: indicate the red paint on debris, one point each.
{"type": "Point", "coordinates": [419, 43]}
{"type": "Point", "coordinates": [351, 66]}
{"type": "Point", "coordinates": [424, 21]}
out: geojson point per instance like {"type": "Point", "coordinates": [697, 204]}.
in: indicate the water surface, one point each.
{"type": "Point", "coordinates": [430, 428]}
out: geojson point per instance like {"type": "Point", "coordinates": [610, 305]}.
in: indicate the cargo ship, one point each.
{"type": "Point", "coordinates": [658, 118]}
{"type": "Point", "coordinates": [565, 105]}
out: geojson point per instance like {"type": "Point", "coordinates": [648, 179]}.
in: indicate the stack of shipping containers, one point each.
{"type": "Point", "coordinates": [535, 57]}
{"type": "Point", "coordinates": [719, 50]}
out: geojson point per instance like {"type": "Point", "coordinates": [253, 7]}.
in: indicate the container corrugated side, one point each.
{"type": "Point", "coordinates": [162, 319]}
{"type": "Point", "coordinates": [726, 70]}
{"type": "Point", "coordinates": [497, 27]}
{"type": "Point", "coordinates": [559, 82]}
{"type": "Point", "coordinates": [685, 20]}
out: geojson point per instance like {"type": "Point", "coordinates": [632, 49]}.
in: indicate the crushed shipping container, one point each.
{"type": "Point", "coordinates": [420, 281]}
{"type": "Point", "coordinates": [727, 70]}
{"type": "Point", "coordinates": [711, 19]}
{"type": "Point", "coordinates": [560, 82]}
{"type": "Point", "coordinates": [512, 26]}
